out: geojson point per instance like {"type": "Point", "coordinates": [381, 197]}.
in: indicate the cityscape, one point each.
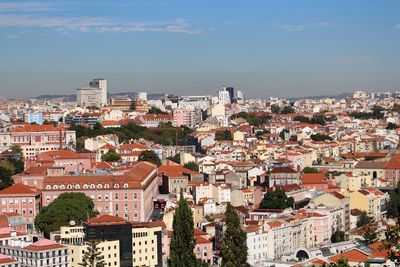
{"type": "Point", "coordinates": [187, 164]}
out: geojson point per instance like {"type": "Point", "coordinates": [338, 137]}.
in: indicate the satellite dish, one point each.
{"type": "Point", "coordinates": [72, 223]}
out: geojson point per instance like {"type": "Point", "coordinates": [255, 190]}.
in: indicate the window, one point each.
{"type": "Point", "coordinates": [126, 196]}
{"type": "Point", "coordinates": [116, 196]}
{"type": "Point", "coordinates": [134, 195]}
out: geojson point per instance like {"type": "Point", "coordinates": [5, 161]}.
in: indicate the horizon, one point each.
{"type": "Point", "coordinates": [280, 49]}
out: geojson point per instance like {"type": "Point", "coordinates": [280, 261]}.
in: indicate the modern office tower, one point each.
{"type": "Point", "coordinates": [107, 227]}
{"type": "Point", "coordinates": [94, 95]}
{"type": "Point", "coordinates": [142, 96]}
{"type": "Point", "coordinates": [231, 91]}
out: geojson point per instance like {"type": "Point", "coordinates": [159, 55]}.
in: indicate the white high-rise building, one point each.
{"type": "Point", "coordinates": [94, 95]}
{"type": "Point", "coordinates": [101, 84]}
{"type": "Point", "coordinates": [142, 96]}
{"type": "Point", "coordinates": [240, 94]}
{"type": "Point", "coordinates": [224, 97]}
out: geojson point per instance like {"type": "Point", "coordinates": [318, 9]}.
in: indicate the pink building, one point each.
{"type": "Point", "coordinates": [36, 139]}
{"type": "Point", "coordinates": [187, 117]}
{"type": "Point", "coordinates": [128, 195]}
{"type": "Point", "coordinates": [68, 160]}
{"type": "Point", "coordinates": [33, 176]}
{"type": "Point", "coordinates": [22, 199]}
{"type": "Point", "coordinates": [392, 171]}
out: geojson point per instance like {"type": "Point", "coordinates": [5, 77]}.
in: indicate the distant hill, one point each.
{"type": "Point", "coordinates": [341, 96]}
{"type": "Point", "coordinates": [72, 98]}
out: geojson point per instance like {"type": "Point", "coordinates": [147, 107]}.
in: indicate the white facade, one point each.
{"type": "Point", "coordinates": [224, 97]}
{"type": "Point", "coordinates": [257, 244]}
{"type": "Point", "coordinates": [142, 96]}
{"type": "Point", "coordinates": [94, 95]}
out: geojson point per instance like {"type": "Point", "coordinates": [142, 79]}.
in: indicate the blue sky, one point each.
{"type": "Point", "coordinates": [278, 48]}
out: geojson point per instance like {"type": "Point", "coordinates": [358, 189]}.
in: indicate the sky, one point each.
{"type": "Point", "coordinates": [287, 48]}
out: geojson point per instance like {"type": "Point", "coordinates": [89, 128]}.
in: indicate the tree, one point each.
{"type": "Point", "coordinates": [176, 158]}
{"type": "Point", "coordinates": [223, 135]}
{"type": "Point", "coordinates": [191, 166]}
{"type": "Point", "coordinates": [342, 262]}
{"type": "Point", "coordinates": [370, 234]}
{"type": "Point", "coordinates": [150, 156]}
{"type": "Point", "coordinates": [301, 118]}
{"type": "Point", "coordinates": [391, 126]}
{"type": "Point", "coordinates": [182, 240]}
{"type": "Point", "coordinates": [5, 177]}
{"type": "Point", "coordinates": [396, 108]}
{"type": "Point", "coordinates": [233, 248]}
{"type": "Point", "coordinates": [287, 110]}
{"type": "Point", "coordinates": [391, 243]}
{"type": "Point", "coordinates": [67, 207]}
{"type": "Point", "coordinates": [110, 157]}
{"type": "Point", "coordinates": [394, 202]}
{"type": "Point", "coordinates": [276, 200]}
{"type": "Point", "coordinates": [364, 219]}
{"type": "Point", "coordinates": [133, 106]}
{"type": "Point", "coordinates": [275, 109]}
{"type": "Point", "coordinates": [310, 170]}
{"type": "Point", "coordinates": [320, 137]}
{"type": "Point", "coordinates": [338, 236]}
{"type": "Point", "coordinates": [92, 256]}
{"type": "Point", "coordinates": [155, 110]}
{"type": "Point", "coordinates": [318, 119]}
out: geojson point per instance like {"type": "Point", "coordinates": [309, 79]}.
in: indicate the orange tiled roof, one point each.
{"type": "Point", "coordinates": [20, 189]}
{"type": "Point", "coordinates": [353, 255]}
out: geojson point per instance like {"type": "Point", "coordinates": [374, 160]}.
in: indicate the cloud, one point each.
{"type": "Point", "coordinates": [352, 60]}
{"type": "Point", "coordinates": [25, 7]}
{"type": "Point", "coordinates": [302, 26]}
{"type": "Point", "coordinates": [95, 24]}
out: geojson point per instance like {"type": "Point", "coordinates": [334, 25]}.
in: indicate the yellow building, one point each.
{"type": "Point", "coordinates": [147, 243]}
{"type": "Point", "coordinates": [370, 200]}
{"type": "Point", "coordinates": [73, 238]}
{"type": "Point", "coordinates": [109, 250]}
{"type": "Point", "coordinates": [198, 216]}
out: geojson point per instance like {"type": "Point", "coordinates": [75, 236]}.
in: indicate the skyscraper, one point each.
{"type": "Point", "coordinates": [231, 91]}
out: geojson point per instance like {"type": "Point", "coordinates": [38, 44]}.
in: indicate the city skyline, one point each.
{"type": "Point", "coordinates": [266, 48]}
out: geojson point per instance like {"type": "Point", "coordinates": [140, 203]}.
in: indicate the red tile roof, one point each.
{"type": "Point", "coordinates": [105, 220]}
{"type": "Point", "coordinates": [20, 189]}
{"type": "Point", "coordinates": [44, 244]}
{"type": "Point", "coordinates": [314, 178]}
{"type": "Point", "coordinates": [353, 255]}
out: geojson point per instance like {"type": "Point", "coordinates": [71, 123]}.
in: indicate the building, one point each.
{"type": "Point", "coordinates": [147, 244]}
{"type": "Point", "coordinates": [101, 84]}
{"type": "Point", "coordinates": [7, 261]}
{"type": "Point", "coordinates": [34, 117]}
{"type": "Point", "coordinates": [112, 228]}
{"type": "Point", "coordinates": [36, 139]}
{"type": "Point", "coordinates": [224, 97]}
{"type": "Point", "coordinates": [189, 117]}
{"type": "Point", "coordinates": [231, 92]}
{"type": "Point", "coordinates": [142, 96]}
{"type": "Point", "coordinates": [128, 195]}
{"type": "Point", "coordinates": [43, 253]}
{"type": "Point", "coordinates": [109, 251]}
{"type": "Point", "coordinates": [21, 199]}
{"type": "Point", "coordinates": [371, 200]}
{"type": "Point", "coordinates": [94, 95]}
